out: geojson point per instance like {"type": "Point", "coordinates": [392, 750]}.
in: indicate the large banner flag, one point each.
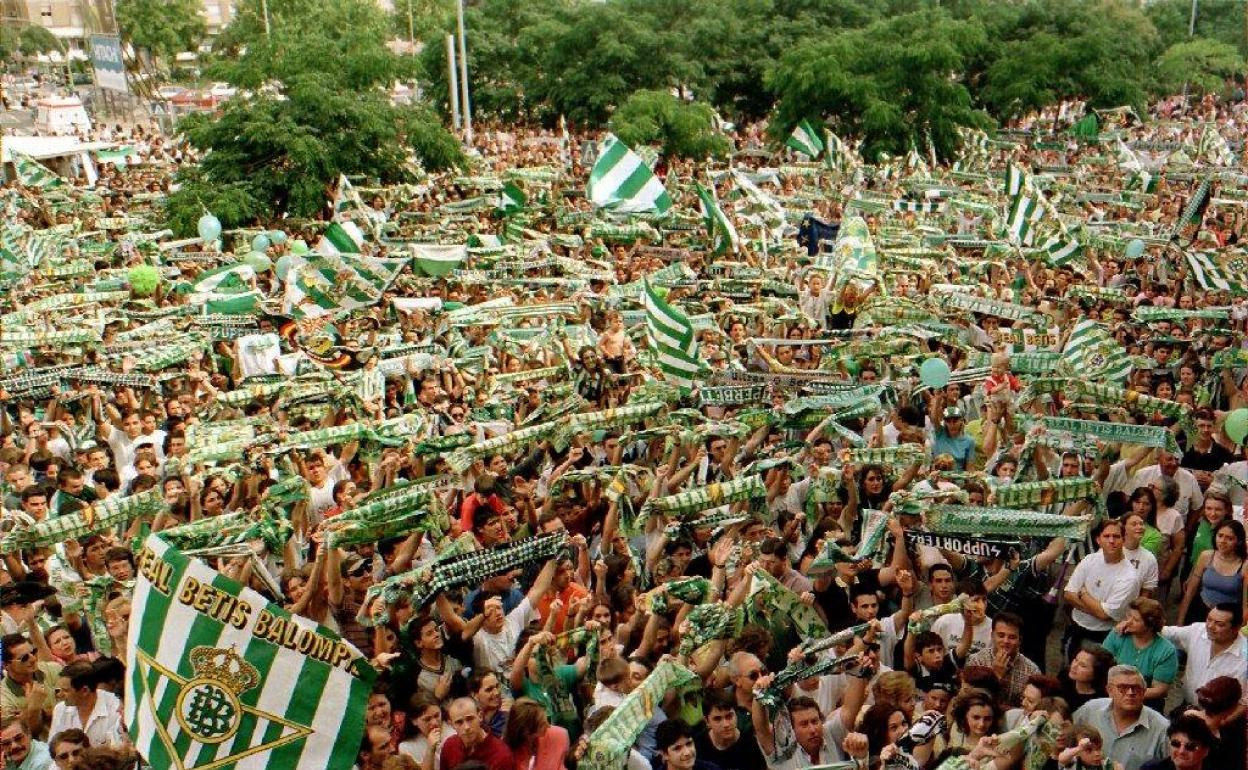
{"type": "Point", "coordinates": [218, 677]}
{"type": "Point", "coordinates": [621, 181]}
{"type": "Point", "coordinates": [672, 338]}
{"type": "Point", "coordinates": [325, 283]}
{"type": "Point", "coordinates": [1093, 354]}
{"type": "Point", "coordinates": [806, 140]}
{"type": "Point", "coordinates": [719, 227]}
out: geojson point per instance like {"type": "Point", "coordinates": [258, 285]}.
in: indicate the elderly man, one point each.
{"type": "Point", "coordinates": [1214, 648]}
{"type": "Point", "coordinates": [1133, 734]}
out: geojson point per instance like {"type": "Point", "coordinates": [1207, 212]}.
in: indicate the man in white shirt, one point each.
{"type": "Point", "coordinates": [323, 471]}
{"type": "Point", "coordinates": [1214, 648]}
{"type": "Point", "coordinates": [1100, 588]}
{"type": "Point", "coordinates": [82, 707]}
{"type": "Point", "coordinates": [494, 646]}
{"type": "Point", "coordinates": [1190, 496]}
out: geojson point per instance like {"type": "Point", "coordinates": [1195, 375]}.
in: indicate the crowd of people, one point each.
{"type": "Point", "coordinates": [767, 561]}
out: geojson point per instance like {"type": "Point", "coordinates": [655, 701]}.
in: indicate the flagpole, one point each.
{"type": "Point", "coordinates": [463, 70]}
{"type": "Point", "coordinates": [452, 80]}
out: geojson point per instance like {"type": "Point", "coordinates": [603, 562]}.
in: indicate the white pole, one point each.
{"type": "Point", "coordinates": [1191, 22]}
{"type": "Point", "coordinates": [463, 71]}
{"type": "Point", "coordinates": [453, 81]}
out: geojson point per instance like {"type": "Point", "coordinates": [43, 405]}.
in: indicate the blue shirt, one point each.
{"type": "Point", "coordinates": [962, 447]}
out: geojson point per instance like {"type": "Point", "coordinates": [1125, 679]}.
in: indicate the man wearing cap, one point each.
{"type": "Point", "coordinates": [949, 436]}
{"type": "Point", "coordinates": [26, 692]}
{"type": "Point", "coordinates": [1226, 718]}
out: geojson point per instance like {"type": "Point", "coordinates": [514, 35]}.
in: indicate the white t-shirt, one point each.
{"type": "Point", "coordinates": [1144, 561]}
{"type": "Point", "coordinates": [495, 651]}
{"type": "Point", "coordinates": [103, 726]}
{"type": "Point", "coordinates": [1113, 585]}
{"type": "Point", "coordinates": [1190, 496]}
{"type": "Point", "coordinates": [123, 448]}
{"type": "Point", "coordinates": [321, 498]}
{"type": "Point", "coordinates": [949, 628]}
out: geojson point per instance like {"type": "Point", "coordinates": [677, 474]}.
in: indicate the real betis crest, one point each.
{"type": "Point", "coordinates": [208, 709]}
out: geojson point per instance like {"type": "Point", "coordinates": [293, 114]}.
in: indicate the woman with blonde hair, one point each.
{"type": "Point", "coordinates": [534, 742]}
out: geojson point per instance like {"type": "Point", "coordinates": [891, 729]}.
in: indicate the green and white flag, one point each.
{"type": "Point", "coordinates": [341, 238]}
{"type": "Point", "coordinates": [1016, 180]}
{"type": "Point", "coordinates": [32, 173]}
{"type": "Point", "coordinates": [229, 279]}
{"type": "Point", "coordinates": [1025, 211]}
{"type": "Point", "coordinates": [511, 198]}
{"type": "Point", "coordinates": [805, 139]}
{"type": "Point", "coordinates": [219, 677]}
{"type": "Point", "coordinates": [719, 227]}
{"type": "Point", "coordinates": [1092, 352]}
{"type": "Point", "coordinates": [768, 210]}
{"type": "Point", "coordinates": [1143, 181]}
{"type": "Point", "coordinates": [324, 283]}
{"type": "Point", "coordinates": [1214, 149]}
{"type": "Point", "coordinates": [838, 155]}
{"type": "Point", "coordinates": [671, 338]}
{"type": "Point", "coordinates": [1060, 249]}
{"type": "Point", "coordinates": [621, 181]}
{"type": "Point", "coordinates": [1209, 275]}
{"type": "Point", "coordinates": [438, 260]}
{"type": "Point", "coordinates": [349, 207]}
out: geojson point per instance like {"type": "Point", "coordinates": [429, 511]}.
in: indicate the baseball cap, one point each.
{"type": "Point", "coordinates": [953, 413]}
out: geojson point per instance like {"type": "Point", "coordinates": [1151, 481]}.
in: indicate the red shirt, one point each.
{"type": "Point", "coordinates": [470, 505]}
{"type": "Point", "coordinates": [492, 752]}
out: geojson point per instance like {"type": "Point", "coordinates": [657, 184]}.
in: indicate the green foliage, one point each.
{"type": "Point", "coordinates": [165, 28]}
{"type": "Point", "coordinates": [313, 105]}
{"type": "Point", "coordinates": [234, 204]}
{"type": "Point", "coordinates": [1220, 20]}
{"type": "Point", "coordinates": [682, 129]}
{"type": "Point", "coordinates": [34, 40]}
{"type": "Point", "coordinates": [10, 44]}
{"type": "Point", "coordinates": [893, 83]}
{"type": "Point", "coordinates": [1201, 64]}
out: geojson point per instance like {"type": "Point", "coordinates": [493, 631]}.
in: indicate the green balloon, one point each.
{"type": "Point", "coordinates": [259, 261]}
{"type": "Point", "coordinates": [298, 246]}
{"type": "Point", "coordinates": [1135, 249]}
{"type": "Point", "coordinates": [282, 266]}
{"type": "Point", "coordinates": [1236, 425]}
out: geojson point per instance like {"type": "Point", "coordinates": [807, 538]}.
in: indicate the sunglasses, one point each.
{"type": "Point", "coordinates": [26, 657]}
{"type": "Point", "coordinates": [1185, 745]}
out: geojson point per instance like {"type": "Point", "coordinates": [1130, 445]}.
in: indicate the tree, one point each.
{"type": "Point", "coordinates": [163, 28]}
{"type": "Point", "coordinates": [1202, 64]}
{"type": "Point", "coordinates": [34, 40]}
{"type": "Point", "coordinates": [895, 83]}
{"type": "Point", "coordinates": [10, 44]}
{"type": "Point", "coordinates": [684, 130]}
{"type": "Point", "coordinates": [313, 103]}
{"type": "Point", "coordinates": [1222, 21]}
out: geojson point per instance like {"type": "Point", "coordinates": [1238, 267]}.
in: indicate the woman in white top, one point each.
{"type": "Point", "coordinates": [422, 737]}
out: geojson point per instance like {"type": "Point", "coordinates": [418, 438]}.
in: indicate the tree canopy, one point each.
{"type": "Point", "coordinates": [684, 130]}
{"type": "Point", "coordinates": [164, 28]}
{"type": "Point", "coordinates": [313, 103]}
